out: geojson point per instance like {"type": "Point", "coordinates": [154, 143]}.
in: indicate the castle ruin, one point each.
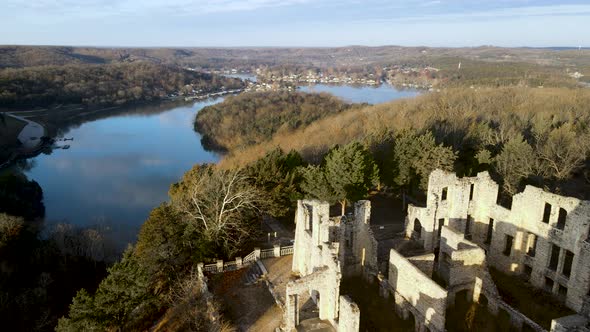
{"type": "Point", "coordinates": [462, 233]}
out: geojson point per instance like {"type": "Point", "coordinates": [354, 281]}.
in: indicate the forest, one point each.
{"type": "Point", "coordinates": [523, 135]}
{"type": "Point", "coordinates": [106, 84]}
{"type": "Point", "coordinates": [255, 117]}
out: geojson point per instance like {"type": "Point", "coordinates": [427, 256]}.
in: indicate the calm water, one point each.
{"type": "Point", "coordinates": [362, 94]}
{"type": "Point", "coordinates": [120, 167]}
{"type": "Point", "coordinates": [121, 164]}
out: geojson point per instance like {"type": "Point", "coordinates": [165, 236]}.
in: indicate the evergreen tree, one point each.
{"type": "Point", "coordinates": [416, 156]}
{"type": "Point", "coordinates": [122, 298]}
{"type": "Point", "coordinates": [316, 185]}
{"type": "Point", "coordinates": [277, 177]}
{"type": "Point", "coordinates": [351, 172]}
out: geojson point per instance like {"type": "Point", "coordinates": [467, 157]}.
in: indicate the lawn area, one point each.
{"type": "Point", "coordinates": [534, 303]}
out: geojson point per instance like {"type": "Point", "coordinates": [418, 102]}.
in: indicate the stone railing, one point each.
{"type": "Point", "coordinates": [239, 263]}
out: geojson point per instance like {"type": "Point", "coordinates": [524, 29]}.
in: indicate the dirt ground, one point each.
{"type": "Point", "coordinates": [249, 308]}
{"type": "Point", "coordinates": [279, 273]}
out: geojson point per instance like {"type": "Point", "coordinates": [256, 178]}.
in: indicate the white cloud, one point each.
{"type": "Point", "coordinates": [102, 8]}
{"type": "Point", "coordinates": [519, 12]}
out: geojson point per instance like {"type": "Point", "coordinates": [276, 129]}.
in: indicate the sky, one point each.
{"type": "Point", "coordinates": [227, 23]}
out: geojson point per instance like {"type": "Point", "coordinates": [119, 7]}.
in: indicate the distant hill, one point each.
{"type": "Point", "coordinates": [26, 56]}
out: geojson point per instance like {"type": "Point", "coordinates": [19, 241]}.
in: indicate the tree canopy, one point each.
{"type": "Point", "coordinates": [347, 173]}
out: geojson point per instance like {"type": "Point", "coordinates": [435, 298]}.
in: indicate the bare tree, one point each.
{"type": "Point", "coordinates": [220, 204]}
{"type": "Point", "coordinates": [562, 152]}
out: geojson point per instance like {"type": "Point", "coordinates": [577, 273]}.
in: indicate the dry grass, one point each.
{"type": "Point", "coordinates": [456, 111]}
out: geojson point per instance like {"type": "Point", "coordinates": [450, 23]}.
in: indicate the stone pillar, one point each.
{"type": "Point", "coordinates": [257, 253]}
{"type": "Point", "coordinates": [238, 263]}
{"type": "Point", "coordinates": [219, 265]}
{"type": "Point", "coordinates": [277, 250]}
{"type": "Point", "coordinates": [292, 312]}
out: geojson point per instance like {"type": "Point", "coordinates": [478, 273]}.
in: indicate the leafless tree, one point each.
{"type": "Point", "coordinates": [220, 204]}
{"type": "Point", "coordinates": [562, 152]}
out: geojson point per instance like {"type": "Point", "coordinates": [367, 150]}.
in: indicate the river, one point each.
{"type": "Point", "coordinates": [120, 165]}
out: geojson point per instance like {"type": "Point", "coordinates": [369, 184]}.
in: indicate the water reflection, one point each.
{"type": "Point", "coordinates": [123, 160]}
{"type": "Point", "coordinates": [119, 165]}
{"type": "Point", "coordinates": [363, 94]}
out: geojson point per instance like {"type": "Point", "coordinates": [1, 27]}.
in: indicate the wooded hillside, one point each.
{"type": "Point", "coordinates": [253, 118]}
{"type": "Point", "coordinates": [102, 84]}
{"type": "Point", "coordinates": [524, 135]}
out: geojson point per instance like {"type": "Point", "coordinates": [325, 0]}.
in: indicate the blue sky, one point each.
{"type": "Point", "coordinates": [295, 22]}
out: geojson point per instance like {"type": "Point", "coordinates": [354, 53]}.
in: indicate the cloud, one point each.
{"type": "Point", "coordinates": [495, 14]}
{"type": "Point", "coordinates": [431, 3]}
{"type": "Point", "coordinates": [103, 8]}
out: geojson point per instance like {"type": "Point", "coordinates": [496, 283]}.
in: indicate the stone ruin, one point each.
{"type": "Point", "coordinates": [542, 237]}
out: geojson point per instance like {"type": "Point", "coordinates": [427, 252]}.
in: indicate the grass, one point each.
{"type": "Point", "coordinates": [534, 303]}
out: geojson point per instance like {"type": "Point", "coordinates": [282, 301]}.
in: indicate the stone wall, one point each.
{"type": "Point", "coordinates": [461, 261]}
{"type": "Point", "coordinates": [350, 315]}
{"type": "Point", "coordinates": [520, 240]}
{"type": "Point", "coordinates": [424, 263]}
{"type": "Point", "coordinates": [321, 246]}
{"type": "Point", "coordinates": [359, 246]}
{"type": "Point", "coordinates": [417, 294]}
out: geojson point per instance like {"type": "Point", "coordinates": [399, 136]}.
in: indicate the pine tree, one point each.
{"type": "Point", "coordinates": [351, 172]}
{"type": "Point", "coordinates": [416, 156]}
{"type": "Point", "coordinates": [316, 185]}
{"type": "Point", "coordinates": [277, 177]}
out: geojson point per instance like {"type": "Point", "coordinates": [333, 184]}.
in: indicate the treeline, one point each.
{"type": "Point", "coordinates": [500, 74]}
{"type": "Point", "coordinates": [255, 117]}
{"type": "Point", "coordinates": [522, 135]}
{"type": "Point", "coordinates": [103, 84]}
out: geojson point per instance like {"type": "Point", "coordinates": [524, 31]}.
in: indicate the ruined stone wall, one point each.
{"type": "Point", "coordinates": [312, 221]}
{"type": "Point", "coordinates": [519, 240]}
{"type": "Point", "coordinates": [317, 260]}
{"type": "Point", "coordinates": [350, 315]}
{"type": "Point", "coordinates": [460, 261]}
{"type": "Point", "coordinates": [424, 263]}
{"type": "Point", "coordinates": [573, 323]}
{"type": "Point", "coordinates": [450, 201]}
{"type": "Point", "coordinates": [417, 293]}
{"type": "Point", "coordinates": [359, 246]}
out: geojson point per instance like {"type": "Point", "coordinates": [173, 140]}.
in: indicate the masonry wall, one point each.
{"type": "Point", "coordinates": [507, 235]}
{"type": "Point", "coordinates": [359, 247]}
{"type": "Point", "coordinates": [312, 221]}
{"type": "Point", "coordinates": [424, 263]}
{"type": "Point", "coordinates": [350, 315]}
{"type": "Point", "coordinates": [416, 292]}
{"type": "Point", "coordinates": [460, 260]}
